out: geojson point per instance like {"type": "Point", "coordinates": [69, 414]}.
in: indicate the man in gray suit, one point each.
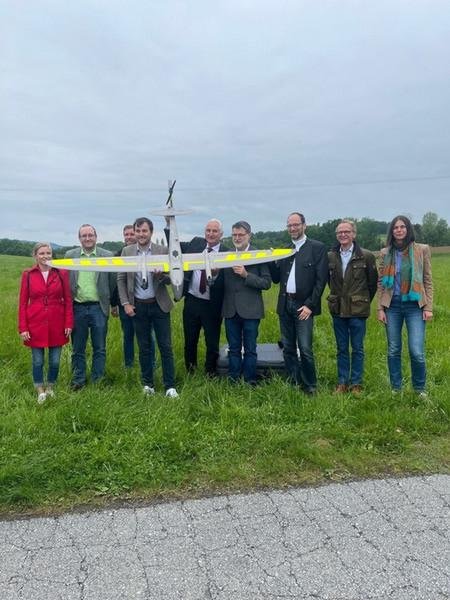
{"type": "Point", "coordinates": [91, 293]}
{"type": "Point", "coordinates": [148, 303]}
{"type": "Point", "coordinates": [243, 308]}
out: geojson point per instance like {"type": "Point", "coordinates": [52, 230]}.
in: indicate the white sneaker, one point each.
{"type": "Point", "coordinates": [50, 393]}
{"type": "Point", "coordinates": [41, 398]}
{"type": "Point", "coordinates": [422, 394]}
{"type": "Point", "coordinates": [148, 391]}
{"type": "Point", "coordinates": [172, 393]}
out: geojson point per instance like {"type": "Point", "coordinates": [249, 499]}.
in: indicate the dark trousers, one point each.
{"type": "Point", "coordinates": [127, 324]}
{"type": "Point", "coordinates": [242, 333]}
{"type": "Point", "coordinates": [198, 313]}
{"type": "Point", "coordinates": [296, 333]}
{"type": "Point", "coordinates": [88, 318]}
{"type": "Point", "coordinates": [146, 317]}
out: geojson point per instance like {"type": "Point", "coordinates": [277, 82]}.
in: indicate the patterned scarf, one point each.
{"type": "Point", "coordinates": [411, 272]}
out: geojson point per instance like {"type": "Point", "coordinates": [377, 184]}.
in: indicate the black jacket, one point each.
{"type": "Point", "coordinates": [216, 291]}
{"type": "Point", "coordinates": [311, 275]}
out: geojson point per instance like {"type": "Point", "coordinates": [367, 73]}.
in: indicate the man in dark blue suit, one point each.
{"type": "Point", "coordinates": [203, 301]}
{"type": "Point", "coordinates": [302, 278]}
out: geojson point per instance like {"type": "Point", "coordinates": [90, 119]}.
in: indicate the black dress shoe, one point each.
{"type": "Point", "coordinates": [310, 391]}
{"type": "Point", "coordinates": [76, 387]}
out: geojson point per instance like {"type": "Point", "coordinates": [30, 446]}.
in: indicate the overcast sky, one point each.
{"type": "Point", "coordinates": [257, 108]}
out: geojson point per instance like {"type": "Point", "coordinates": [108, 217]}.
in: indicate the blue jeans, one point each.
{"type": "Point", "coordinates": [350, 331]}
{"type": "Point", "coordinates": [242, 333]}
{"type": "Point", "coordinates": [148, 317]}
{"type": "Point", "coordinates": [295, 332]}
{"type": "Point", "coordinates": [38, 357]}
{"type": "Point", "coordinates": [410, 313]}
{"type": "Point", "coordinates": [88, 318]}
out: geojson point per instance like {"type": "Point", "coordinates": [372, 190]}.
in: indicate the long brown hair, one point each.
{"type": "Point", "coordinates": [410, 233]}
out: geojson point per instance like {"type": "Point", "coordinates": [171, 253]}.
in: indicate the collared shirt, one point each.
{"type": "Point", "coordinates": [194, 285]}
{"type": "Point", "coordinates": [139, 291]}
{"type": "Point", "coordinates": [87, 282]}
{"type": "Point", "coordinates": [291, 286]}
{"type": "Point", "coordinates": [346, 256]}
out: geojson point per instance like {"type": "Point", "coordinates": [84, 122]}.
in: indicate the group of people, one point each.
{"type": "Point", "coordinates": [55, 305]}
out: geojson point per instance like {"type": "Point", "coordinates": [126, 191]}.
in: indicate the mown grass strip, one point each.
{"type": "Point", "coordinates": [109, 442]}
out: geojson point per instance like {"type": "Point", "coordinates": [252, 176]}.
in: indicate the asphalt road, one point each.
{"type": "Point", "coordinates": [384, 539]}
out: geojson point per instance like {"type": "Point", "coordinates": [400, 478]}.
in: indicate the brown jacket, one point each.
{"type": "Point", "coordinates": [351, 294]}
{"type": "Point", "coordinates": [384, 295]}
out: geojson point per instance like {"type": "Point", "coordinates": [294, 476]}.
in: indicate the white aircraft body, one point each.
{"type": "Point", "coordinates": [175, 262]}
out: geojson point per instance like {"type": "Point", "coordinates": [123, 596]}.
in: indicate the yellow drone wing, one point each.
{"type": "Point", "coordinates": [224, 260]}
{"type": "Point", "coordinates": [156, 262]}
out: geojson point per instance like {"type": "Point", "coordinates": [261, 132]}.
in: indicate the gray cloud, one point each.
{"type": "Point", "coordinates": [256, 108]}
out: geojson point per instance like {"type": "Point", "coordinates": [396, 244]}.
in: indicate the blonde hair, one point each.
{"type": "Point", "coordinates": [41, 245]}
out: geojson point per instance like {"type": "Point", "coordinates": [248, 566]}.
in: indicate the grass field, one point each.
{"type": "Point", "coordinates": [110, 443]}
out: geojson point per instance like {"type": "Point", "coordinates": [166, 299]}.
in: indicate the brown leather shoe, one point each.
{"type": "Point", "coordinates": [356, 389]}
{"type": "Point", "coordinates": [341, 388]}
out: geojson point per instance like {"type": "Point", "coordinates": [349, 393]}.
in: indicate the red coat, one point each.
{"type": "Point", "coordinates": [45, 308]}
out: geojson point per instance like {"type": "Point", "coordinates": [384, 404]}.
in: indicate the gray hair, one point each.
{"type": "Point", "coordinates": [242, 225]}
{"type": "Point", "coordinates": [348, 222]}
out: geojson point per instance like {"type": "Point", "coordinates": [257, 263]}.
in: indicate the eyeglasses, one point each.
{"type": "Point", "coordinates": [239, 234]}
{"type": "Point", "coordinates": [344, 232]}
{"type": "Point", "coordinates": [293, 225]}
{"type": "Point", "coordinates": [87, 236]}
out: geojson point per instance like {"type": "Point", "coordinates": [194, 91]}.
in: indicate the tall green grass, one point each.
{"type": "Point", "coordinates": [110, 442]}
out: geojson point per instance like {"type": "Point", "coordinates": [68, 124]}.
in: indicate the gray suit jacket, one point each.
{"type": "Point", "coordinates": [243, 296]}
{"type": "Point", "coordinates": [106, 282]}
{"type": "Point", "coordinates": [125, 281]}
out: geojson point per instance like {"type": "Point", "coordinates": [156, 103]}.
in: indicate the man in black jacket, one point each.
{"type": "Point", "coordinates": [203, 301]}
{"type": "Point", "coordinates": [302, 278]}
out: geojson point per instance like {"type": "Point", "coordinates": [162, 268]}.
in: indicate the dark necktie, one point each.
{"type": "Point", "coordinates": [202, 286]}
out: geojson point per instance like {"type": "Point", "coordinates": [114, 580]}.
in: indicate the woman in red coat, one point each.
{"type": "Point", "coordinates": [45, 316]}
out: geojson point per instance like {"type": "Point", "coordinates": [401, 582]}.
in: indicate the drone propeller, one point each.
{"type": "Point", "coordinates": [171, 186]}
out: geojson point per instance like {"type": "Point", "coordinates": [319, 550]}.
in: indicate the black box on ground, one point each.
{"type": "Point", "coordinates": [270, 360]}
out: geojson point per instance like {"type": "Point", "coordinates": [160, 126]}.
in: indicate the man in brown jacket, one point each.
{"type": "Point", "coordinates": [148, 303]}
{"type": "Point", "coordinates": [352, 277]}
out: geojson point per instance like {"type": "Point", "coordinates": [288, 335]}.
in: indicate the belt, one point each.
{"type": "Point", "coordinates": [145, 300]}
{"type": "Point", "coordinates": [197, 298]}
{"type": "Point", "coordinates": [292, 296]}
{"type": "Point", "coordinates": [88, 303]}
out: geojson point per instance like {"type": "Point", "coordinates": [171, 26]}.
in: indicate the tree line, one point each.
{"type": "Point", "coordinates": [371, 235]}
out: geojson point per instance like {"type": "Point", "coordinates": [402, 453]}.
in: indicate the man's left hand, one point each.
{"type": "Point", "coordinates": [304, 313]}
{"type": "Point", "coordinates": [241, 271]}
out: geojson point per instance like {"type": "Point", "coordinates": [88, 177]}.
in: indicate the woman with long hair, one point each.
{"type": "Point", "coordinates": [45, 316]}
{"type": "Point", "coordinates": [405, 296]}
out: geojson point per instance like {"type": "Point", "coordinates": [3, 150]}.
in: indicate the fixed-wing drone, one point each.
{"type": "Point", "coordinates": [174, 262]}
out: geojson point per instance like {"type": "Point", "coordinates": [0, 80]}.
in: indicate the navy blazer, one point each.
{"type": "Point", "coordinates": [311, 275]}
